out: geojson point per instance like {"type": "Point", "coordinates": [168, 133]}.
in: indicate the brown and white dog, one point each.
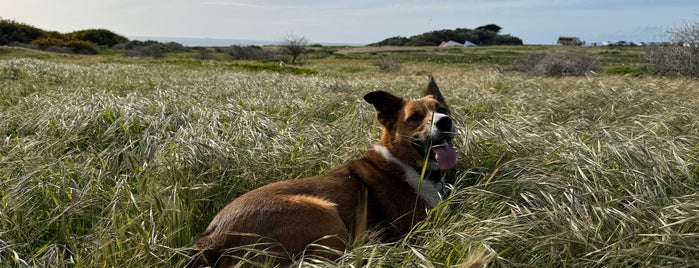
{"type": "Point", "coordinates": [382, 192]}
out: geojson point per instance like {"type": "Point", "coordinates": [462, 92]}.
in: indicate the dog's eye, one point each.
{"type": "Point", "coordinates": [415, 117]}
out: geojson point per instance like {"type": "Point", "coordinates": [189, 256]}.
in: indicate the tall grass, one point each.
{"type": "Point", "coordinates": [116, 164]}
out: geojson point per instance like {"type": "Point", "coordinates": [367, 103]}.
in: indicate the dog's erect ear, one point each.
{"type": "Point", "coordinates": [386, 104]}
{"type": "Point", "coordinates": [433, 89]}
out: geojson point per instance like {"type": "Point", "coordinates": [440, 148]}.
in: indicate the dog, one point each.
{"type": "Point", "coordinates": [385, 192]}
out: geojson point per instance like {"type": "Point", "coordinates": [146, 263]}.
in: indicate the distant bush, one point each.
{"type": "Point", "coordinates": [393, 41]}
{"type": "Point", "coordinates": [483, 36]}
{"type": "Point", "coordinates": [81, 46]}
{"type": "Point", "coordinates": [149, 48]}
{"type": "Point", "coordinates": [507, 39]}
{"type": "Point", "coordinates": [62, 46]}
{"type": "Point", "coordinates": [48, 42]}
{"type": "Point", "coordinates": [174, 46]}
{"type": "Point", "coordinates": [204, 54]}
{"type": "Point", "coordinates": [153, 51]}
{"type": "Point", "coordinates": [565, 65]}
{"type": "Point", "coordinates": [249, 53]}
{"type": "Point", "coordinates": [101, 37]}
{"type": "Point", "coordinates": [294, 45]}
{"type": "Point", "coordinates": [387, 63]}
{"type": "Point", "coordinates": [682, 58]}
{"type": "Point", "coordinates": [12, 31]}
{"type": "Point", "coordinates": [555, 65]}
{"type": "Point", "coordinates": [674, 60]}
{"type": "Point", "coordinates": [136, 43]}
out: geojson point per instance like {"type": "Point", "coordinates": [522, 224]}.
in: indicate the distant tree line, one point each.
{"type": "Point", "coordinates": [13, 33]}
{"type": "Point", "coordinates": [486, 35]}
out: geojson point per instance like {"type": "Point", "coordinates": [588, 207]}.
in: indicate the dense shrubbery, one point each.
{"type": "Point", "coordinates": [674, 60]}
{"type": "Point", "coordinates": [249, 53]}
{"type": "Point", "coordinates": [60, 45]}
{"type": "Point", "coordinates": [153, 51]}
{"type": "Point", "coordinates": [12, 32]}
{"type": "Point", "coordinates": [81, 42]}
{"type": "Point", "coordinates": [394, 41]}
{"type": "Point", "coordinates": [149, 48]}
{"type": "Point", "coordinates": [506, 39]}
{"type": "Point", "coordinates": [555, 65]}
{"type": "Point", "coordinates": [16, 32]}
{"type": "Point", "coordinates": [482, 36]}
{"type": "Point", "coordinates": [101, 37]}
{"type": "Point", "coordinates": [681, 58]}
{"type": "Point", "coordinates": [48, 42]}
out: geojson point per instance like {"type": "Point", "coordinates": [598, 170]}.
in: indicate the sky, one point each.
{"type": "Point", "coordinates": [359, 21]}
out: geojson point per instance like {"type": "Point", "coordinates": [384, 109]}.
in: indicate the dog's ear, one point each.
{"type": "Point", "coordinates": [386, 104]}
{"type": "Point", "coordinates": [433, 89]}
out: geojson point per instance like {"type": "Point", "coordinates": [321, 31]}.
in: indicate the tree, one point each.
{"type": "Point", "coordinates": [680, 58]}
{"type": "Point", "coordinates": [483, 35]}
{"type": "Point", "coordinates": [490, 27]}
{"type": "Point", "coordinates": [294, 45]}
{"type": "Point", "coordinates": [12, 31]}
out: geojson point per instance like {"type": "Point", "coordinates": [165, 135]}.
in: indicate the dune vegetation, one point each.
{"type": "Point", "coordinates": [108, 161]}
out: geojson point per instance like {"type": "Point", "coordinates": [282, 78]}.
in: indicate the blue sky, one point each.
{"type": "Point", "coordinates": [358, 21]}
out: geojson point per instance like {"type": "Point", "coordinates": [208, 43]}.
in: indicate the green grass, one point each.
{"type": "Point", "coordinates": [110, 161]}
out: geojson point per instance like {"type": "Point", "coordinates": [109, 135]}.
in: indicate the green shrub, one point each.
{"type": "Point", "coordinates": [154, 51]}
{"type": "Point", "coordinates": [555, 65]}
{"type": "Point", "coordinates": [149, 48]}
{"type": "Point", "coordinates": [43, 43]}
{"type": "Point", "coordinates": [483, 35]}
{"type": "Point", "coordinates": [249, 53]}
{"type": "Point", "coordinates": [174, 46]}
{"type": "Point", "coordinates": [393, 41]}
{"type": "Point", "coordinates": [12, 31]}
{"type": "Point", "coordinates": [205, 54]}
{"type": "Point", "coordinates": [101, 37]}
{"type": "Point", "coordinates": [81, 46]}
{"type": "Point", "coordinates": [62, 46]}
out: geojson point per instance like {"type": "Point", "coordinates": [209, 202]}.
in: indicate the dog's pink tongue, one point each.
{"type": "Point", "coordinates": [445, 156]}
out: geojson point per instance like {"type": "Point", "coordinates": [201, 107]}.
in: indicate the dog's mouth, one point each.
{"type": "Point", "coordinates": [445, 155]}
{"type": "Point", "coordinates": [441, 151]}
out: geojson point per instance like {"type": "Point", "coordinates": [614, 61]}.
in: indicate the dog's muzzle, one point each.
{"type": "Point", "coordinates": [441, 134]}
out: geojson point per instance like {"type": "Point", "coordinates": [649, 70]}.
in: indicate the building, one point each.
{"type": "Point", "coordinates": [569, 41]}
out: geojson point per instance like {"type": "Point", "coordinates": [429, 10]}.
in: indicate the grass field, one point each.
{"type": "Point", "coordinates": [108, 161]}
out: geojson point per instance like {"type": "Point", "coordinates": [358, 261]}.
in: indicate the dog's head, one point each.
{"type": "Point", "coordinates": [415, 130]}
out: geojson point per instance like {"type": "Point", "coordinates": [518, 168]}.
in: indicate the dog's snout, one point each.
{"type": "Point", "coordinates": [444, 124]}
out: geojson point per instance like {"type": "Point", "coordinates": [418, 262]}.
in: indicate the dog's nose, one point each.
{"type": "Point", "coordinates": [444, 124]}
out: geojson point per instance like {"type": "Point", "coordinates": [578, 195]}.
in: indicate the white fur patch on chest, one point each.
{"type": "Point", "coordinates": [428, 190]}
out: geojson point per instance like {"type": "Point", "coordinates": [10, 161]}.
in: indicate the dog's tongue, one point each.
{"type": "Point", "coordinates": [445, 156]}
